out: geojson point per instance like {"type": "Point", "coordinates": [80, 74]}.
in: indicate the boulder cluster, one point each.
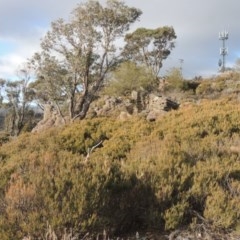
{"type": "Point", "coordinates": [151, 106]}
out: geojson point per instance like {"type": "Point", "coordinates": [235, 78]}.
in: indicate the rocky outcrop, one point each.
{"type": "Point", "coordinates": [51, 118]}
{"type": "Point", "coordinates": [109, 106]}
{"type": "Point", "coordinates": [151, 106]}
{"type": "Point", "coordinates": [124, 116]}
{"type": "Point", "coordinates": [158, 105]}
{"type": "Point", "coordinates": [161, 103]}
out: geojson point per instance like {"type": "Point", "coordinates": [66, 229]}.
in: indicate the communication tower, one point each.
{"type": "Point", "coordinates": [181, 65]}
{"type": "Point", "coordinates": [223, 36]}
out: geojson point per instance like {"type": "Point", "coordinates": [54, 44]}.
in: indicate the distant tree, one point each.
{"type": "Point", "coordinates": [128, 77]}
{"type": "Point", "coordinates": [52, 85]}
{"type": "Point", "coordinates": [175, 80]}
{"type": "Point", "coordinates": [77, 55]}
{"type": "Point", "coordinates": [18, 97]}
{"type": "Point", "coordinates": [2, 90]}
{"type": "Point", "coordinates": [150, 46]}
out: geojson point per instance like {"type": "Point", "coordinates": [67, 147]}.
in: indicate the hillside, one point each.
{"type": "Point", "coordinates": [96, 144]}
{"type": "Point", "coordinates": [180, 171]}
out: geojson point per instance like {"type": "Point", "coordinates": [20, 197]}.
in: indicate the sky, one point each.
{"type": "Point", "coordinates": [197, 25]}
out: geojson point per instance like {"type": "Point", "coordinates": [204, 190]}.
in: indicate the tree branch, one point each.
{"type": "Point", "coordinates": [90, 150]}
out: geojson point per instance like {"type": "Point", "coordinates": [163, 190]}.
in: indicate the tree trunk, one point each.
{"type": "Point", "coordinates": [87, 99]}
{"type": "Point", "coordinates": [84, 107]}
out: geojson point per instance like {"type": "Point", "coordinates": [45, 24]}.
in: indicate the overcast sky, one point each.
{"type": "Point", "coordinates": [196, 23]}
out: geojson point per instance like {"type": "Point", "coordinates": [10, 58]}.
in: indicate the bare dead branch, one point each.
{"type": "Point", "coordinates": [90, 150]}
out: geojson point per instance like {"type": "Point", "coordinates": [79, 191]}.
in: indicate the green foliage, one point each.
{"type": "Point", "coordinates": [143, 175]}
{"type": "Point", "coordinates": [129, 77]}
{"type": "Point", "coordinates": [77, 55]}
{"type": "Point", "coordinates": [17, 98]}
{"type": "Point", "coordinates": [222, 209]}
{"type": "Point", "coordinates": [175, 80]}
{"type": "Point", "coordinates": [224, 84]}
{"type": "Point", "coordinates": [4, 137]}
{"type": "Point", "coordinates": [174, 216]}
{"type": "Point", "coordinates": [204, 88]}
{"type": "Point", "coordinates": [150, 46]}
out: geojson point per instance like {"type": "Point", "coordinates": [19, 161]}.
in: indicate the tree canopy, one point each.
{"type": "Point", "coordinates": [77, 55]}
{"type": "Point", "coordinates": [15, 100]}
{"type": "Point", "coordinates": [150, 46]}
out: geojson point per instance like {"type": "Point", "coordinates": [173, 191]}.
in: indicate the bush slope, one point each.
{"type": "Point", "coordinates": [144, 175]}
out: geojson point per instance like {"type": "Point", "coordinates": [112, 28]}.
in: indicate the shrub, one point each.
{"type": "Point", "coordinates": [128, 77]}
{"type": "Point", "coordinates": [175, 81]}
{"type": "Point", "coordinates": [144, 175]}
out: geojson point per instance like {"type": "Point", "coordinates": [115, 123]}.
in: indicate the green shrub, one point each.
{"type": "Point", "coordinates": [128, 77]}
{"type": "Point", "coordinates": [143, 175]}
{"type": "Point", "coordinates": [175, 81]}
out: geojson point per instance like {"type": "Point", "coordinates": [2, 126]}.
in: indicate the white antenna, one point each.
{"type": "Point", "coordinates": [181, 65]}
{"type": "Point", "coordinates": [223, 36]}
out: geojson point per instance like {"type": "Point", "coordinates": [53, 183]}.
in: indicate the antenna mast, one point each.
{"type": "Point", "coordinates": [181, 65]}
{"type": "Point", "coordinates": [223, 36]}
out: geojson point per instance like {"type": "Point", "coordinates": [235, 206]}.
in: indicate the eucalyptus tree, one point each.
{"type": "Point", "coordinates": [17, 99]}
{"type": "Point", "coordinates": [2, 88]}
{"type": "Point", "coordinates": [51, 85]}
{"type": "Point", "coordinates": [150, 46]}
{"type": "Point", "coordinates": [77, 54]}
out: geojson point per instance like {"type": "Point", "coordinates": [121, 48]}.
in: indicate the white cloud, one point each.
{"type": "Point", "coordinates": [24, 48]}
{"type": "Point", "coordinates": [196, 23]}
{"type": "Point", "coordinates": [8, 63]}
